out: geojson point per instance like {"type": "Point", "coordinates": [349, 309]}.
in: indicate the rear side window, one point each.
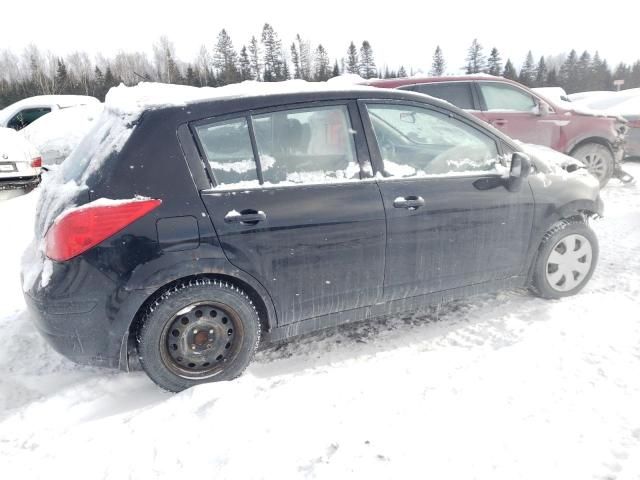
{"type": "Point", "coordinates": [307, 145]}
{"type": "Point", "coordinates": [26, 117]}
{"type": "Point", "coordinates": [458, 94]}
{"type": "Point", "coordinates": [227, 146]}
{"type": "Point", "coordinates": [498, 96]}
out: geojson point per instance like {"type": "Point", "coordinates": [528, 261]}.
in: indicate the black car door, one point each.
{"type": "Point", "coordinates": [445, 228]}
{"type": "Point", "coordinates": [305, 223]}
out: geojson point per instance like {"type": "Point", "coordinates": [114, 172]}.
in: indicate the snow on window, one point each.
{"type": "Point", "coordinates": [309, 145]}
{"type": "Point", "coordinates": [417, 142]}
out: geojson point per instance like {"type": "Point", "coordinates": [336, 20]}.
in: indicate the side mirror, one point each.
{"type": "Point", "coordinates": [520, 169]}
{"type": "Point", "coordinates": [543, 108]}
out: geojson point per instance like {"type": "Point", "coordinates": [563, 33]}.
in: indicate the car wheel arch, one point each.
{"type": "Point", "coordinates": [595, 139]}
{"type": "Point", "coordinates": [257, 294]}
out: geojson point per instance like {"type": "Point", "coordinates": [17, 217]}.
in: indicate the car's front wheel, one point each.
{"type": "Point", "coordinates": [200, 331]}
{"type": "Point", "coordinates": [598, 160]}
{"type": "Point", "coordinates": [566, 260]}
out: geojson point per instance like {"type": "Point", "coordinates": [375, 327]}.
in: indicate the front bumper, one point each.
{"type": "Point", "coordinates": [16, 183]}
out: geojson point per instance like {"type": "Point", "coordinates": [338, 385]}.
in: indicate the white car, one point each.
{"type": "Point", "coordinates": [20, 162]}
{"type": "Point", "coordinates": [57, 134]}
{"type": "Point", "coordinates": [20, 114]}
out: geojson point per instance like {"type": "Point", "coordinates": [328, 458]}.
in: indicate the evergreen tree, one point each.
{"type": "Point", "coordinates": [584, 72]}
{"type": "Point", "coordinates": [528, 71]}
{"type": "Point", "coordinates": [62, 78]}
{"type": "Point", "coordinates": [402, 72]}
{"type": "Point", "coordinates": [245, 64]}
{"type": "Point", "coordinates": [510, 71]}
{"type": "Point", "coordinates": [552, 78]}
{"type": "Point", "coordinates": [98, 86]}
{"type": "Point", "coordinates": [569, 73]}
{"type": "Point", "coordinates": [225, 59]}
{"type": "Point", "coordinates": [476, 61]}
{"type": "Point", "coordinates": [494, 63]}
{"type": "Point", "coordinates": [336, 70]}
{"type": "Point", "coordinates": [254, 59]}
{"type": "Point", "coordinates": [601, 76]}
{"type": "Point", "coordinates": [321, 61]}
{"type": "Point", "coordinates": [367, 63]}
{"type": "Point", "coordinates": [191, 78]}
{"type": "Point", "coordinates": [353, 64]}
{"type": "Point", "coordinates": [541, 74]}
{"type": "Point", "coordinates": [274, 68]}
{"type": "Point", "coordinates": [174, 75]}
{"type": "Point", "coordinates": [437, 64]}
{"type": "Point", "coordinates": [304, 52]}
{"type": "Point", "coordinates": [295, 60]}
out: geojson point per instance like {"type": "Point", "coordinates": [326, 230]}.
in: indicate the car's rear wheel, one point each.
{"type": "Point", "coordinates": [566, 260]}
{"type": "Point", "coordinates": [598, 159]}
{"type": "Point", "coordinates": [199, 331]}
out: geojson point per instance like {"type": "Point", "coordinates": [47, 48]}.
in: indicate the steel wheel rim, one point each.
{"type": "Point", "coordinates": [596, 164]}
{"type": "Point", "coordinates": [200, 340]}
{"type": "Point", "coordinates": [569, 263]}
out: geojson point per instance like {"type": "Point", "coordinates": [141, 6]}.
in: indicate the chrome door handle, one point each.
{"type": "Point", "coordinates": [411, 202]}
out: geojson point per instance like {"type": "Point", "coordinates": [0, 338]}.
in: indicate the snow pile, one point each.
{"type": "Point", "coordinates": [56, 134]}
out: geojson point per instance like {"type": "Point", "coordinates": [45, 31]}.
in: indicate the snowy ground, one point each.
{"type": "Point", "coordinates": [504, 386]}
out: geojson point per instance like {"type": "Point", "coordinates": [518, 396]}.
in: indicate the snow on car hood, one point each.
{"type": "Point", "coordinates": [548, 160]}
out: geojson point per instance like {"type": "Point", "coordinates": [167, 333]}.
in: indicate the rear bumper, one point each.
{"type": "Point", "coordinates": [83, 314]}
{"type": "Point", "coordinates": [70, 328]}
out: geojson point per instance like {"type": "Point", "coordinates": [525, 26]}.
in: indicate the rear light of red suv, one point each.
{"type": "Point", "coordinates": [80, 229]}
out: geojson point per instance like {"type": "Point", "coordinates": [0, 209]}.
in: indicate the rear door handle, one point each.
{"type": "Point", "coordinates": [500, 122]}
{"type": "Point", "coordinates": [246, 217]}
{"type": "Point", "coordinates": [411, 202]}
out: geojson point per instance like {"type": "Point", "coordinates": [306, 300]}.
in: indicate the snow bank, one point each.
{"type": "Point", "coordinates": [56, 134]}
{"type": "Point", "coordinates": [501, 387]}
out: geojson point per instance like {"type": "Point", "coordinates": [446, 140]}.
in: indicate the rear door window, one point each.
{"type": "Point", "coordinates": [227, 147]}
{"type": "Point", "coordinates": [458, 94]}
{"type": "Point", "coordinates": [501, 97]}
{"type": "Point", "coordinates": [306, 146]}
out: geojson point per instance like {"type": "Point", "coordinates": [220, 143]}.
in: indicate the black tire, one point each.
{"type": "Point", "coordinates": [552, 241]}
{"type": "Point", "coordinates": [598, 159]}
{"type": "Point", "coordinates": [200, 331]}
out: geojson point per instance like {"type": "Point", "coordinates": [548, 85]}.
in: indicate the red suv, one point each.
{"type": "Point", "coordinates": [596, 140]}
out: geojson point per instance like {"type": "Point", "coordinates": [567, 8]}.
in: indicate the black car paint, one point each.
{"type": "Point", "coordinates": [353, 255]}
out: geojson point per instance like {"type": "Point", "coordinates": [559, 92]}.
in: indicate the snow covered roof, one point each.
{"type": "Point", "coordinates": [146, 95]}
{"type": "Point", "coordinates": [61, 101]}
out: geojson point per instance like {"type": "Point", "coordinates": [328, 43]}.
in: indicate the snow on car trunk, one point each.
{"type": "Point", "coordinates": [515, 388]}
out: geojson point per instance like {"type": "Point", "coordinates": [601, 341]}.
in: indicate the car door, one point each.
{"type": "Point", "coordinates": [293, 207]}
{"type": "Point", "coordinates": [450, 220]}
{"type": "Point", "coordinates": [516, 112]}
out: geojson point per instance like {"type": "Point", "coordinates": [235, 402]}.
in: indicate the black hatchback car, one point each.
{"type": "Point", "coordinates": [185, 235]}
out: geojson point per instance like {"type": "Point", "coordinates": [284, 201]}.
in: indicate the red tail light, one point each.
{"type": "Point", "coordinates": [36, 162]}
{"type": "Point", "coordinates": [79, 229]}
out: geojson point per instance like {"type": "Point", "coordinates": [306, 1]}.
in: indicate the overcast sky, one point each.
{"type": "Point", "coordinates": [400, 32]}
